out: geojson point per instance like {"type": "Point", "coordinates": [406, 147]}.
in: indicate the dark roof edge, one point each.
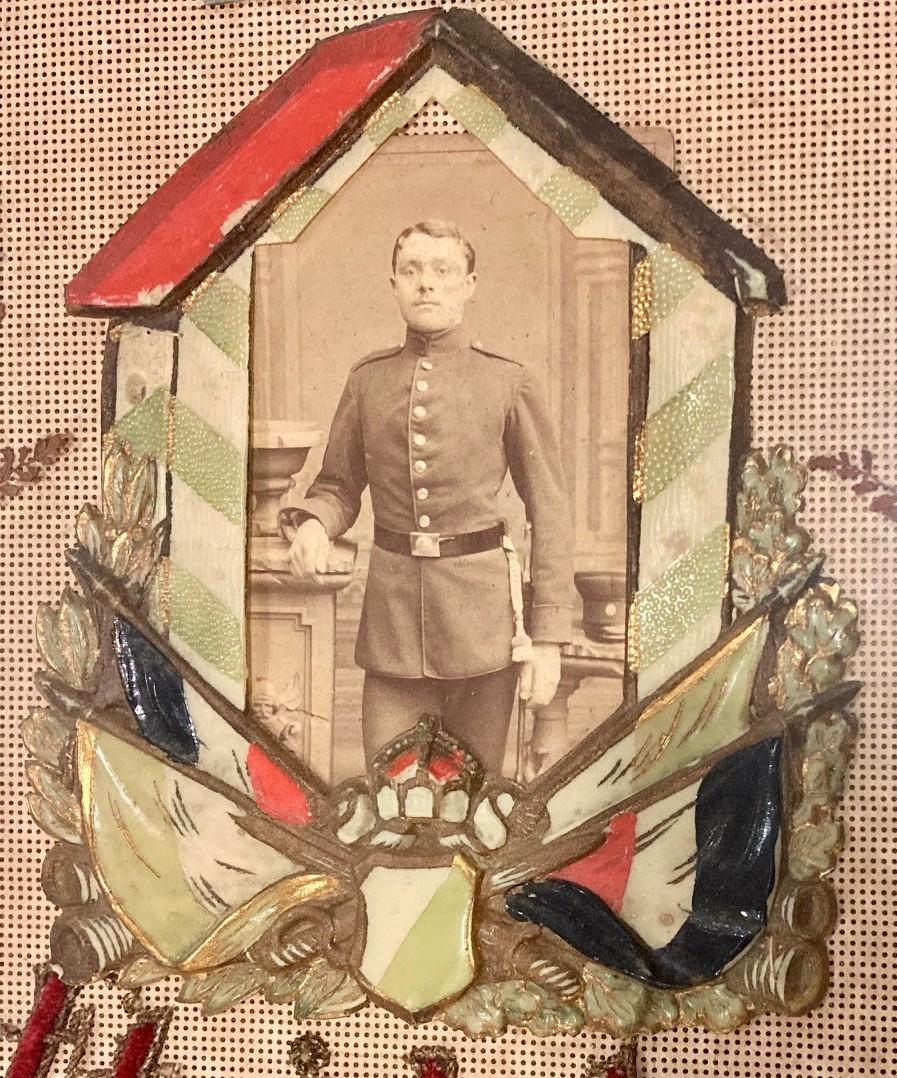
{"type": "Point", "coordinates": [577, 135]}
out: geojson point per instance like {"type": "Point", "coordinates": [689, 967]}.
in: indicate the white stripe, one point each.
{"type": "Point", "coordinates": [240, 272]}
{"type": "Point", "coordinates": [529, 162]}
{"type": "Point", "coordinates": [687, 509]}
{"type": "Point", "coordinates": [222, 750]}
{"type": "Point", "coordinates": [437, 84]}
{"type": "Point", "coordinates": [208, 546]}
{"type": "Point", "coordinates": [654, 907]}
{"type": "Point", "coordinates": [347, 165]}
{"type": "Point", "coordinates": [700, 329]}
{"type": "Point", "coordinates": [607, 223]}
{"type": "Point", "coordinates": [213, 386]}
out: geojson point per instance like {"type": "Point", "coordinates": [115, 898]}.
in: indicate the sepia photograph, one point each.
{"type": "Point", "coordinates": [440, 424]}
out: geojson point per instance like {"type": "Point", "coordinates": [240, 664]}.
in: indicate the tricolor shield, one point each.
{"type": "Point", "coordinates": [417, 949]}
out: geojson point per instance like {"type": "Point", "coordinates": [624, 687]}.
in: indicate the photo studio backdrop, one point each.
{"type": "Point", "coordinates": [780, 123]}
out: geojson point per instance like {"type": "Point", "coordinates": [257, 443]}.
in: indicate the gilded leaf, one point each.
{"type": "Point", "coordinates": [814, 848]}
{"type": "Point", "coordinates": [89, 531]}
{"type": "Point", "coordinates": [822, 634]}
{"type": "Point", "coordinates": [67, 639]}
{"type": "Point", "coordinates": [45, 818]}
{"type": "Point", "coordinates": [194, 988]}
{"type": "Point", "coordinates": [613, 1002]}
{"type": "Point", "coordinates": [326, 992]}
{"type": "Point", "coordinates": [231, 984]}
{"type": "Point", "coordinates": [143, 970]}
{"type": "Point", "coordinates": [145, 556]}
{"type": "Point", "coordinates": [51, 788]}
{"type": "Point", "coordinates": [713, 1006]}
{"type": "Point", "coordinates": [46, 735]}
{"type": "Point", "coordinates": [531, 1006]}
{"type": "Point", "coordinates": [115, 471]}
{"type": "Point", "coordinates": [120, 555]}
{"type": "Point", "coordinates": [478, 1013]}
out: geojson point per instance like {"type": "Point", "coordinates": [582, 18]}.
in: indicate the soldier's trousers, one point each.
{"type": "Point", "coordinates": [477, 710]}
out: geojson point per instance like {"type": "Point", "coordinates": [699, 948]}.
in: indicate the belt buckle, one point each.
{"type": "Point", "coordinates": [424, 545]}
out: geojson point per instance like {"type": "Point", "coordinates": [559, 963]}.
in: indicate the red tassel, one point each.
{"type": "Point", "coordinates": [136, 1049]}
{"type": "Point", "coordinates": [48, 1015]}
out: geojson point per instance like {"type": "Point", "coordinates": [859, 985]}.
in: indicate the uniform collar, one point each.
{"type": "Point", "coordinates": [452, 340]}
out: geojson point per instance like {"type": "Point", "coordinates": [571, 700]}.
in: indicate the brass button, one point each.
{"type": "Point", "coordinates": [423, 494]}
{"type": "Point", "coordinates": [424, 521]}
{"type": "Point", "coordinates": [422, 386]}
{"type": "Point", "coordinates": [426, 364]}
{"type": "Point", "coordinates": [420, 412]}
{"type": "Point", "coordinates": [420, 439]}
{"type": "Point", "coordinates": [420, 465]}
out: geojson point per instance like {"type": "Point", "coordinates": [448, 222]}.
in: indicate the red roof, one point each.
{"type": "Point", "coordinates": [222, 194]}
{"type": "Point", "coordinates": [180, 226]}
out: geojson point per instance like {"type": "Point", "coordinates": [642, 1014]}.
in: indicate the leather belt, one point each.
{"type": "Point", "coordinates": [427, 545]}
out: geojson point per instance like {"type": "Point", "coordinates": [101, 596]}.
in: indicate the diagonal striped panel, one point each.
{"type": "Point", "coordinates": [676, 434]}
{"type": "Point", "coordinates": [203, 622]}
{"type": "Point", "coordinates": [694, 585]}
{"type": "Point", "coordinates": [220, 309]}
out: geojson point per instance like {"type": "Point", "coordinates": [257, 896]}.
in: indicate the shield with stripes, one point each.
{"type": "Point", "coordinates": [415, 949]}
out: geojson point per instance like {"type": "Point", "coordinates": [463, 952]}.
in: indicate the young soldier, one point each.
{"type": "Point", "coordinates": [433, 426]}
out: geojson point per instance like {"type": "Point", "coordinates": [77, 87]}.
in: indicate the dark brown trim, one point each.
{"type": "Point", "coordinates": [109, 375]}
{"type": "Point", "coordinates": [564, 124]}
{"type": "Point", "coordinates": [740, 439]}
{"type": "Point", "coordinates": [639, 382]}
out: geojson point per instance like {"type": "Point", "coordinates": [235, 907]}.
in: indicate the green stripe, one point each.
{"type": "Point", "coordinates": [299, 211]}
{"type": "Point", "coordinates": [476, 113]}
{"type": "Point", "coordinates": [221, 312]}
{"type": "Point", "coordinates": [569, 196]}
{"type": "Point", "coordinates": [143, 428]}
{"type": "Point", "coordinates": [392, 114]}
{"type": "Point", "coordinates": [678, 432]}
{"type": "Point", "coordinates": [665, 610]}
{"type": "Point", "coordinates": [201, 620]}
{"type": "Point", "coordinates": [209, 463]}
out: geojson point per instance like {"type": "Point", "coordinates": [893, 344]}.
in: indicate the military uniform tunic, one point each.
{"type": "Point", "coordinates": [433, 427]}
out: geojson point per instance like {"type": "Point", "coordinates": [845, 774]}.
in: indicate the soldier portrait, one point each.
{"type": "Point", "coordinates": [436, 359]}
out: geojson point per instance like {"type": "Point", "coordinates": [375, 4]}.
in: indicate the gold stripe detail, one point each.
{"type": "Point", "coordinates": [666, 609]}
{"type": "Point", "coordinates": [394, 113]}
{"type": "Point", "coordinates": [297, 211]}
{"type": "Point", "coordinates": [642, 298]}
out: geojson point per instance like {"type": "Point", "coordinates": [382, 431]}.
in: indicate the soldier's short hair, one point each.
{"type": "Point", "coordinates": [440, 230]}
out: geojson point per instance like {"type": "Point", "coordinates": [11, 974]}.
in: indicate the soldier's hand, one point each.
{"type": "Point", "coordinates": [539, 676]}
{"type": "Point", "coordinates": [310, 549]}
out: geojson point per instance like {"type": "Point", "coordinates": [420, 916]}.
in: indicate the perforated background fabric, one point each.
{"type": "Point", "coordinates": [783, 125]}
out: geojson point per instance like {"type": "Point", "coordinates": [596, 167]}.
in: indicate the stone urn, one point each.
{"type": "Point", "coordinates": [279, 451]}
